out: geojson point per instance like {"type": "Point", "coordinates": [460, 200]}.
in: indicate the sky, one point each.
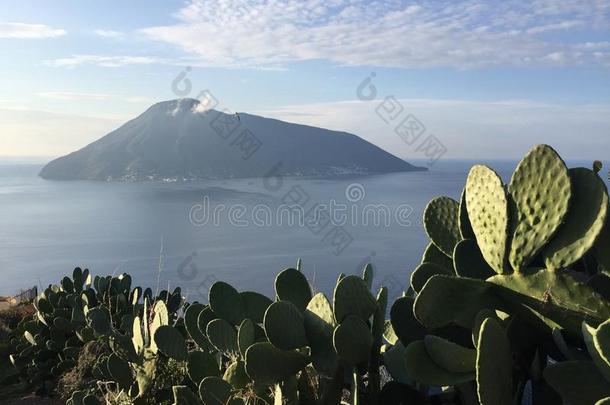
{"type": "Point", "coordinates": [485, 78]}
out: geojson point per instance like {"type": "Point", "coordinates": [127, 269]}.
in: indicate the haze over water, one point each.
{"type": "Point", "coordinates": [47, 228]}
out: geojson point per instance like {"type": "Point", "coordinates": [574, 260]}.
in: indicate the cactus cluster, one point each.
{"type": "Point", "coordinates": [510, 304]}
{"type": "Point", "coordinates": [520, 298]}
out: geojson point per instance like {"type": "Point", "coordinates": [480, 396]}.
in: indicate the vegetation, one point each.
{"type": "Point", "coordinates": [510, 303]}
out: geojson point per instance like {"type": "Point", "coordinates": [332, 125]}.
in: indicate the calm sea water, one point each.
{"type": "Point", "coordinates": [47, 228]}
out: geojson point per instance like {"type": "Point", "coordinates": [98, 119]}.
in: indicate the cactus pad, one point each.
{"type": "Point", "coordinates": [494, 365]}
{"type": "Point", "coordinates": [424, 272]}
{"type": "Point", "coordinates": [191, 317]}
{"type": "Point", "coordinates": [441, 223]}
{"type": "Point", "coordinates": [120, 371]}
{"type": "Point", "coordinates": [292, 285]}
{"type": "Point", "coordinates": [488, 212]}
{"type": "Point", "coordinates": [246, 335]}
{"type": "Point", "coordinates": [266, 364]}
{"type": "Point", "coordinates": [353, 340]}
{"type": "Point", "coordinates": [598, 345]}
{"type": "Point", "coordinates": [584, 222]}
{"type": "Point", "coordinates": [403, 322]}
{"type": "Point", "coordinates": [578, 382]}
{"type": "Point", "coordinates": [424, 370]}
{"type": "Point", "coordinates": [226, 302]}
{"type": "Point", "coordinates": [284, 326]}
{"type": "Point", "coordinates": [464, 220]}
{"type": "Point", "coordinates": [255, 304]}
{"type": "Point", "coordinates": [223, 336]}
{"type": "Point", "coordinates": [201, 365]}
{"type": "Point", "coordinates": [469, 262]}
{"type": "Point", "coordinates": [541, 190]}
{"type": "Point", "coordinates": [319, 326]}
{"type": "Point", "coordinates": [445, 300]}
{"type": "Point", "coordinates": [214, 391]}
{"type": "Point", "coordinates": [236, 375]}
{"type": "Point", "coordinates": [171, 343]}
{"type": "Point", "coordinates": [433, 255]}
{"type": "Point", "coordinates": [450, 356]}
{"type": "Point", "coordinates": [352, 297]}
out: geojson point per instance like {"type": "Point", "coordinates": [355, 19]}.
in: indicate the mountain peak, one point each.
{"type": "Point", "coordinates": [182, 140]}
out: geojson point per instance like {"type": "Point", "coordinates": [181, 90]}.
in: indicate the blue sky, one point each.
{"type": "Point", "coordinates": [487, 78]}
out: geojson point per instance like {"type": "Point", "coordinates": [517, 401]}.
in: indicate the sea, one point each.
{"type": "Point", "coordinates": [242, 231]}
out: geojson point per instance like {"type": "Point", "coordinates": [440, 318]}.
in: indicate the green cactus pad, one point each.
{"type": "Point", "coordinates": [394, 362]}
{"type": "Point", "coordinates": [433, 255]}
{"type": "Point", "coordinates": [246, 335]}
{"type": "Point", "coordinates": [421, 368]}
{"type": "Point", "coordinates": [469, 262]}
{"type": "Point", "coordinates": [424, 271]}
{"type": "Point", "coordinates": [598, 346]}
{"type": "Point", "coordinates": [191, 323]}
{"type": "Point", "coordinates": [136, 333]}
{"type": "Point", "coordinates": [541, 191]}
{"type": "Point", "coordinates": [445, 300]}
{"type": "Point", "coordinates": [223, 336]}
{"type": "Point", "coordinates": [120, 371]}
{"type": "Point", "coordinates": [450, 356]}
{"type": "Point", "coordinates": [236, 375]}
{"type": "Point", "coordinates": [601, 249]}
{"type": "Point", "coordinates": [494, 365]}
{"type": "Point", "coordinates": [403, 322]}
{"type": "Point", "coordinates": [488, 212]}
{"type": "Point", "coordinates": [292, 285]}
{"type": "Point", "coordinates": [368, 274]}
{"type": "Point", "coordinates": [319, 326]}
{"type": "Point", "coordinates": [352, 297]}
{"type": "Point", "coordinates": [556, 295]}
{"type": "Point", "coordinates": [353, 340]}
{"type": "Point", "coordinates": [99, 320]}
{"type": "Point", "coordinates": [284, 326]}
{"type": "Point", "coordinates": [227, 303]}
{"type": "Point", "coordinates": [584, 222]}
{"type": "Point", "coordinates": [464, 220]}
{"type": "Point", "coordinates": [170, 342]}
{"type": "Point", "coordinates": [201, 365]}
{"type": "Point", "coordinates": [205, 317]}
{"type": "Point", "coordinates": [578, 382]}
{"type": "Point", "coordinates": [184, 396]}
{"type": "Point", "coordinates": [214, 391]}
{"type": "Point", "coordinates": [256, 304]}
{"type": "Point", "coordinates": [441, 223]}
{"type": "Point", "coordinates": [266, 364]}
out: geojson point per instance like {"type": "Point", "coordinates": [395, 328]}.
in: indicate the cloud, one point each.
{"type": "Point", "coordinates": [76, 96]}
{"type": "Point", "coordinates": [468, 129]}
{"type": "Point", "coordinates": [29, 31]}
{"type": "Point", "coordinates": [102, 60]}
{"type": "Point", "coordinates": [108, 33]}
{"type": "Point", "coordinates": [397, 33]}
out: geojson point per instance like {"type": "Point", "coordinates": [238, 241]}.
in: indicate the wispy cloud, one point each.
{"type": "Point", "coordinates": [108, 33]}
{"type": "Point", "coordinates": [397, 33]}
{"type": "Point", "coordinates": [77, 96]}
{"type": "Point", "coordinates": [496, 130]}
{"type": "Point", "coordinates": [102, 60]}
{"type": "Point", "coordinates": [29, 31]}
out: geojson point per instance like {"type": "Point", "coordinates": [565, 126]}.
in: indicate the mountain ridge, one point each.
{"type": "Point", "coordinates": [181, 140]}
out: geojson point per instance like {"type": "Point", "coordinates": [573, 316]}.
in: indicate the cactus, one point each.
{"type": "Point", "coordinates": [201, 365]}
{"type": "Point", "coordinates": [170, 342]}
{"type": "Point", "coordinates": [352, 297]}
{"type": "Point", "coordinates": [424, 272]}
{"type": "Point", "coordinates": [226, 303]}
{"type": "Point", "coordinates": [469, 262]}
{"type": "Point", "coordinates": [488, 213]}
{"type": "Point", "coordinates": [541, 191]}
{"type": "Point", "coordinates": [353, 340]}
{"type": "Point", "coordinates": [291, 285]}
{"type": "Point", "coordinates": [266, 364]}
{"type": "Point", "coordinates": [223, 337]}
{"type": "Point", "coordinates": [284, 326]}
{"type": "Point", "coordinates": [214, 391]}
{"type": "Point", "coordinates": [494, 367]}
{"type": "Point", "coordinates": [441, 223]}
